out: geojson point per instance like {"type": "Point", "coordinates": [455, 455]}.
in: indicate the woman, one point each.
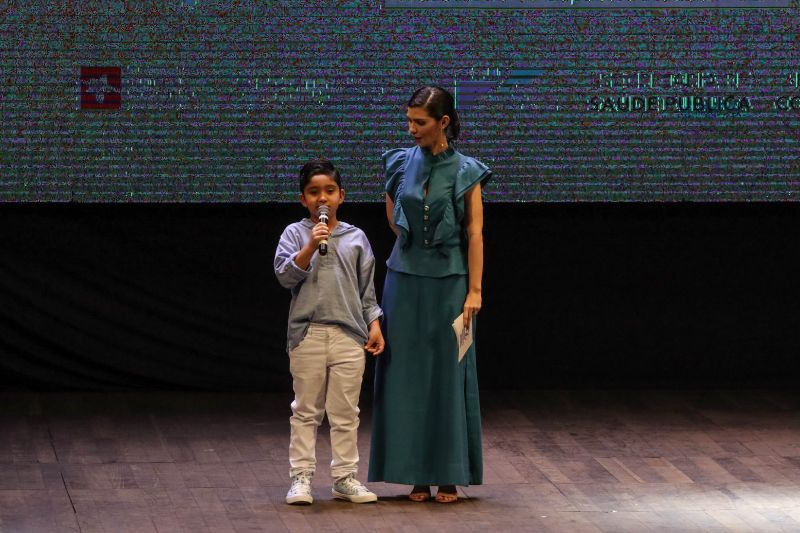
{"type": "Point", "coordinates": [426, 426]}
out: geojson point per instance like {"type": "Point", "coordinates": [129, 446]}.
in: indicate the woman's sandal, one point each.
{"type": "Point", "coordinates": [447, 494]}
{"type": "Point", "coordinates": [420, 493]}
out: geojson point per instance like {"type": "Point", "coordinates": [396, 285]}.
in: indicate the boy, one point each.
{"type": "Point", "coordinates": [333, 318]}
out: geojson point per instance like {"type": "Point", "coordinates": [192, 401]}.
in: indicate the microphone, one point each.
{"type": "Point", "coordinates": [322, 214]}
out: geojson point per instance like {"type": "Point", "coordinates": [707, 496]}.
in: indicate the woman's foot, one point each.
{"type": "Point", "coordinates": [447, 494]}
{"type": "Point", "coordinates": [420, 493]}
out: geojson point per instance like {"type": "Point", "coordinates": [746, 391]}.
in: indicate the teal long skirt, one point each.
{"type": "Point", "coordinates": [426, 425]}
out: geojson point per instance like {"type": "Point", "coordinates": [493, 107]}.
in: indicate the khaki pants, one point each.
{"type": "Point", "coordinates": [327, 368]}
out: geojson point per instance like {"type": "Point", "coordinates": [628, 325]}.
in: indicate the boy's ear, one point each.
{"type": "Point", "coordinates": [303, 200]}
{"type": "Point", "coordinates": [341, 194]}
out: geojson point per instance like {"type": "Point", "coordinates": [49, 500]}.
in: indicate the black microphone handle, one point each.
{"type": "Point", "coordinates": [323, 245]}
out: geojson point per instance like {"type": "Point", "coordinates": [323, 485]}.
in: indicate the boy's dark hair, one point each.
{"type": "Point", "coordinates": [438, 102]}
{"type": "Point", "coordinates": [318, 166]}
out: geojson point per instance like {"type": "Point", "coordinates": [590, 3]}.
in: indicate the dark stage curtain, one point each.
{"type": "Point", "coordinates": [144, 296]}
{"type": "Point", "coordinates": [134, 296]}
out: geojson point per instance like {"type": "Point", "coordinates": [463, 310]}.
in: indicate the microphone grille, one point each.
{"type": "Point", "coordinates": [323, 210]}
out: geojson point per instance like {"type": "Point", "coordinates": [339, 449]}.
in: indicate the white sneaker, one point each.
{"type": "Point", "coordinates": [350, 489]}
{"type": "Point", "coordinates": [300, 491]}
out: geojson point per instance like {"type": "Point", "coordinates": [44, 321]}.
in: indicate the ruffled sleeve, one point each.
{"type": "Point", "coordinates": [394, 165]}
{"type": "Point", "coordinates": [470, 173]}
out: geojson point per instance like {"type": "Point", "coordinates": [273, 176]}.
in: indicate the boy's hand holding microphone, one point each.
{"type": "Point", "coordinates": [319, 240]}
{"type": "Point", "coordinates": [320, 233]}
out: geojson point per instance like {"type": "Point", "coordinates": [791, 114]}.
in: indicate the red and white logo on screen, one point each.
{"type": "Point", "coordinates": [101, 87]}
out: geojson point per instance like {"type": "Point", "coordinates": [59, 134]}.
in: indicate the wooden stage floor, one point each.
{"type": "Point", "coordinates": [588, 461]}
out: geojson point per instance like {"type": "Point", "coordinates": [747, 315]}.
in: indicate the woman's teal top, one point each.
{"type": "Point", "coordinates": [432, 240]}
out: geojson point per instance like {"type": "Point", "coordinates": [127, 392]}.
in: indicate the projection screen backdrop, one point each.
{"type": "Point", "coordinates": [566, 100]}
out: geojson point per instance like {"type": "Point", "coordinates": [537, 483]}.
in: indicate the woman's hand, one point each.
{"type": "Point", "coordinates": [471, 307]}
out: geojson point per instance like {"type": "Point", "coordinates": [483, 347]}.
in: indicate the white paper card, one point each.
{"type": "Point", "coordinates": [463, 336]}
